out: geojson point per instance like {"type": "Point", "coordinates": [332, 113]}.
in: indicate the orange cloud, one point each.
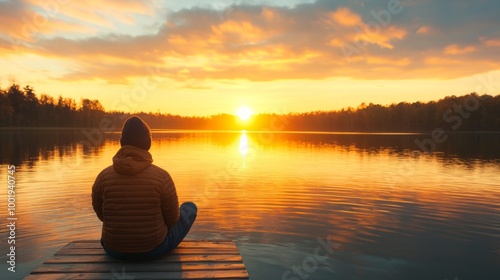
{"type": "Point", "coordinates": [268, 14]}
{"type": "Point", "coordinates": [492, 42]}
{"type": "Point", "coordinates": [24, 20]}
{"type": "Point", "coordinates": [455, 49]}
{"type": "Point", "coordinates": [424, 30]}
{"type": "Point", "coordinates": [348, 28]}
{"type": "Point", "coordinates": [345, 17]}
{"type": "Point", "coordinates": [242, 32]}
{"type": "Point", "coordinates": [387, 61]}
{"type": "Point", "coordinates": [20, 23]}
{"type": "Point", "coordinates": [382, 38]}
{"type": "Point", "coordinates": [435, 60]}
{"type": "Point", "coordinates": [250, 42]}
{"type": "Point", "coordinates": [109, 10]}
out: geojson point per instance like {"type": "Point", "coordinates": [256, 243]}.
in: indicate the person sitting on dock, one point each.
{"type": "Point", "coordinates": [137, 201]}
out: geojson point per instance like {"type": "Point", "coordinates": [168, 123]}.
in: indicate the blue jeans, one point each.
{"type": "Point", "coordinates": [174, 236]}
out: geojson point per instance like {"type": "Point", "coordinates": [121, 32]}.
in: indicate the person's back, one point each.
{"type": "Point", "coordinates": [137, 200]}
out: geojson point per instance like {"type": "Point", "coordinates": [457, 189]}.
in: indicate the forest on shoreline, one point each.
{"type": "Point", "coordinates": [22, 108]}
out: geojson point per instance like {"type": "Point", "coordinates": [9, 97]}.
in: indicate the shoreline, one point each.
{"type": "Point", "coordinates": [188, 130]}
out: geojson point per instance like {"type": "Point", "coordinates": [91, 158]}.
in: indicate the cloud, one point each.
{"type": "Point", "coordinates": [345, 17]}
{"type": "Point", "coordinates": [455, 49]}
{"type": "Point", "coordinates": [380, 37]}
{"type": "Point", "coordinates": [492, 42]}
{"type": "Point", "coordinates": [438, 60]}
{"type": "Point", "coordinates": [102, 13]}
{"type": "Point", "coordinates": [424, 30]}
{"type": "Point", "coordinates": [26, 20]}
{"type": "Point", "coordinates": [318, 40]}
{"type": "Point", "coordinates": [18, 21]}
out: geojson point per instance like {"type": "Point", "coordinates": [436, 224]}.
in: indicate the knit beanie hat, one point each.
{"type": "Point", "coordinates": [136, 132]}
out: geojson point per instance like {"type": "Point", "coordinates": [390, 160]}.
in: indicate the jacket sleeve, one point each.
{"type": "Point", "coordinates": [169, 202]}
{"type": "Point", "coordinates": [97, 197]}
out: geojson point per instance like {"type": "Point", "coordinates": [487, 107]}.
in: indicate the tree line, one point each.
{"type": "Point", "coordinates": [21, 107]}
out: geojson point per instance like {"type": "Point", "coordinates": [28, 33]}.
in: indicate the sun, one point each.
{"type": "Point", "coordinates": [244, 113]}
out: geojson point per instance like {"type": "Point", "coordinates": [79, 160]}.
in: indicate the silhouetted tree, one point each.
{"type": "Point", "coordinates": [21, 108]}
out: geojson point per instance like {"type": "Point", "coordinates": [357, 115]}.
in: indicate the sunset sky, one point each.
{"type": "Point", "coordinates": [206, 57]}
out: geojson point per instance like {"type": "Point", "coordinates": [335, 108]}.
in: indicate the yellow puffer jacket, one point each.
{"type": "Point", "coordinates": [136, 201]}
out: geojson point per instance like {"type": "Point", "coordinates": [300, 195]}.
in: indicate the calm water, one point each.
{"type": "Point", "coordinates": [389, 210]}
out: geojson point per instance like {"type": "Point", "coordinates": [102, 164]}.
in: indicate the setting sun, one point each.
{"type": "Point", "coordinates": [244, 113]}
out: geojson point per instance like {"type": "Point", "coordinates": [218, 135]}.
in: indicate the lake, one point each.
{"type": "Point", "coordinates": [298, 205]}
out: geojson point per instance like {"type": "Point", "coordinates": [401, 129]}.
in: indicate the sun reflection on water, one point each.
{"type": "Point", "coordinates": [244, 144]}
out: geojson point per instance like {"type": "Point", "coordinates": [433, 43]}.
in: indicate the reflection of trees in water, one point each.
{"type": "Point", "coordinates": [462, 146]}
{"type": "Point", "coordinates": [29, 146]}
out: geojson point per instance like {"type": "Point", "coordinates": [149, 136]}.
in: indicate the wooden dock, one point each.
{"type": "Point", "coordinates": [193, 259]}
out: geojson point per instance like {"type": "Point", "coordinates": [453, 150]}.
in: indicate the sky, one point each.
{"type": "Point", "coordinates": [208, 57]}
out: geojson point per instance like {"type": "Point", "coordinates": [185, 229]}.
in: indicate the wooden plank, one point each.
{"type": "Point", "coordinates": [195, 275]}
{"type": "Point", "coordinates": [166, 258]}
{"type": "Point", "coordinates": [193, 259]}
{"type": "Point", "coordinates": [185, 240]}
{"type": "Point", "coordinates": [136, 267]}
{"type": "Point", "coordinates": [178, 251]}
{"type": "Point", "coordinates": [184, 244]}
{"type": "Point", "coordinates": [217, 241]}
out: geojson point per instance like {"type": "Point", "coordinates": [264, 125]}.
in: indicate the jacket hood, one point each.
{"type": "Point", "coordinates": [130, 160]}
